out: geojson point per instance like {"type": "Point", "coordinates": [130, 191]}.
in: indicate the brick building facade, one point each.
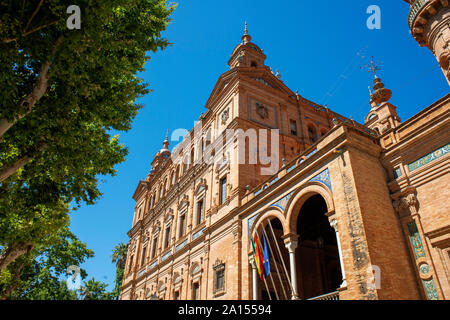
{"type": "Point", "coordinates": [346, 202]}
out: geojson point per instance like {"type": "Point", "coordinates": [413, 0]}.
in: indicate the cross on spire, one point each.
{"type": "Point", "coordinates": [246, 29]}
{"type": "Point", "coordinates": [373, 67]}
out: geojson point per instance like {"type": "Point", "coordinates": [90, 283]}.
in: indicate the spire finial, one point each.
{"type": "Point", "coordinates": [373, 67]}
{"type": "Point", "coordinates": [246, 37]}
{"type": "Point", "coordinates": [166, 142]}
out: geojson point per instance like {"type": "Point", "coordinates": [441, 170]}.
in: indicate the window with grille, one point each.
{"type": "Point", "coordinates": [154, 246]}
{"type": "Point", "coordinates": [200, 211]}
{"type": "Point", "coordinates": [293, 125]}
{"type": "Point", "coordinates": [223, 190]}
{"type": "Point", "coordinates": [144, 253]}
{"type": "Point", "coordinates": [196, 291]}
{"type": "Point", "coordinates": [182, 225]}
{"type": "Point", "coordinates": [167, 237]}
{"type": "Point", "coordinates": [219, 277]}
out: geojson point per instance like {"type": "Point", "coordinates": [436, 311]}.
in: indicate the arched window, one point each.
{"type": "Point", "coordinates": [173, 179]}
{"type": "Point", "coordinates": [161, 193]}
{"type": "Point", "coordinates": [192, 157]}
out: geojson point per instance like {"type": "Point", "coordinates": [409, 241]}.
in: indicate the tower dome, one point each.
{"type": "Point", "coordinates": [246, 53]}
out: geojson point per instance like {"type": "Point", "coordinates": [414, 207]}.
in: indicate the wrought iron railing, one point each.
{"type": "Point", "coordinates": [328, 296]}
{"type": "Point", "coordinates": [416, 7]}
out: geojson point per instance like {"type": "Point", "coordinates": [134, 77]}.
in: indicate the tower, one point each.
{"type": "Point", "coordinates": [429, 21]}
{"type": "Point", "coordinates": [383, 115]}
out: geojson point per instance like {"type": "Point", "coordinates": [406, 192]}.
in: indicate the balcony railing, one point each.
{"type": "Point", "coordinates": [328, 296]}
{"type": "Point", "coordinates": [416, 7]}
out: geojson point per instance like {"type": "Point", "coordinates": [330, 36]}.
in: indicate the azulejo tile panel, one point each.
{"type": "Point", "coordinates": [430, 289]}
{"type": "Point", "coordinates": [429, 158]}
{"type": "Point", "coordinates": [416, 240]}
{"type": "Point", "coordinates": [282, 203]}
{"type": "Point", "coordinates": [323, 177]}
{"type": "Point", "coordinates": [198, 234]}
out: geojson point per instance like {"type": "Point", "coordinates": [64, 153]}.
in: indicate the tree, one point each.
{"type": "Point", "coordinates": [37, 275]}
{"type": "Point", "coordinates": [63, 92]}
{"type": "Point", "coordinates": [94, 290]}
{"type": "Point", "coordinates": [119, 257]}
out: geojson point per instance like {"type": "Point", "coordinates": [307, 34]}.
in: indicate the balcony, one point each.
{"type": "Point", "coordinates": [328, 296]}
{"type": "Point", "coordinates": [416, 8]}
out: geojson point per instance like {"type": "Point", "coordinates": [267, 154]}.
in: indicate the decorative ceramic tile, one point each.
{"type": "Point", "coordinates": [429, 158]}
{"type": "Point", "coordinates": [197, 234]}
{"type": "Point", "coordinates": [181, 246]}
{"type": "Point", "coordinates": [323, 177]}
{"type": "Point", "coordinates": [167, 255]}
{"type": "Point", "coordinates": [282, 203]}
{"type": "Point", "coordinates": [424, 268]}
{"type": "Point", "coordinates": [430, 289]}
{"type": "Point", "coordinates": [416, 240]}
{"type": "Point", "coordinates": [397, 173]}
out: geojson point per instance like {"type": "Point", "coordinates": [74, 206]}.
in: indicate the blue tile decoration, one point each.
{"type": "Point", "coordinates": [282, 203]}
{"type": "Point", "coordinates": [323, 177]}
{"type": "Point", "coordinates": [197, 234]}
{"type": "Point", "coordinates": [251, 221]}
{"type": "Point", "coordinates": [167, 255]}
{"type": "Point", "coordinates": [430, 289]}
{"type": "Point", "coordinates": [397, 173]}
{"type": "Point", "coordinates": [291, 168]}
{"type": "Point", "coordinates": [424, 268]}
{"type": "Point", "coordinates": [416, 240]}
{"type": "Point", "coordinates": [153, 265]}
{"type": "Point", "coordinates": [429, 158]}
{"type": "Point", "coordinates": [142, 272]}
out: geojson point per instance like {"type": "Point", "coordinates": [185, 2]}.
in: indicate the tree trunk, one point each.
{"type": "Point", "coordinates": [6, 172]}
{"type": "Point", "coordinates": [38, 92]}
{"type": "Point", "coordinates": [13, 252]}
{"type": "Point", "coordinates": [15, 285]}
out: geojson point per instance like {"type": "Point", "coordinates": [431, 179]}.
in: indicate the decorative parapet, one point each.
{"type": "Point", "coordinates": [416, 8]}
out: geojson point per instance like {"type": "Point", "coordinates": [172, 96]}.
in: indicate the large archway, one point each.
{"type": "Point", "coordinates": [317, 254]}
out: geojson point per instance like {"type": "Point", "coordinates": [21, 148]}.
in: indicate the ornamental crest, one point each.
{"type": "Point", "coordinates": [262, 110]}
{"type": "Point", "coordinates": [225, 116]}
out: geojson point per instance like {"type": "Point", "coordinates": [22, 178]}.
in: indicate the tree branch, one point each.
{"type": "Point", "coordinates": [7, 171]}
{"type": "Point", "coordinates": [16, 282]}
{"type": "Point", "coordinates": [33, 15]}
{"type": "Point", "coordinates": [38, 91]}
{"type": "Point", "coordinates": [14, 252]}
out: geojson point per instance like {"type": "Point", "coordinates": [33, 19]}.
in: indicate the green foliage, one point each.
{"type": "Point", "coordinates": [119, 257]}
{"type": "Point", "coordinates": [95, 290]}
{"type": "Point", "coordinates": [42, 271]}
{"type": "Point", "coordinates": [88, 90]}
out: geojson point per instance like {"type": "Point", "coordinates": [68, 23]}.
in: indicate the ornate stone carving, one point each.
{"type": "Point", "coordinates": [406, 205]}
{"type": "Point", "coordinates": [262, 110]}
{"type": "Point", "coordinates": [225, 116]}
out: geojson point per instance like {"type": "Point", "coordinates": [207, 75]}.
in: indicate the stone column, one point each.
{"type": "Point", "coordinates": [291, 244]}
{"type": "Point", "coordinates": [334, 225]}
{"type": "Point", "coordinates": [254, 278]}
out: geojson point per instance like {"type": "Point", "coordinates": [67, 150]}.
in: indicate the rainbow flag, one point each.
{"type": "Point", "coordinates": [258, 256]}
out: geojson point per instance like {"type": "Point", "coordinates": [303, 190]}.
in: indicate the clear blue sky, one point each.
{"type": "Point", "coordinates": [314, 44]}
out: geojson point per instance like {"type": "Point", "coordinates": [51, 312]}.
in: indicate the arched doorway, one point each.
{"type": "Point", "coordinates": [317, 254]}
{"type": "Point", "coordinates": [276, 285]}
